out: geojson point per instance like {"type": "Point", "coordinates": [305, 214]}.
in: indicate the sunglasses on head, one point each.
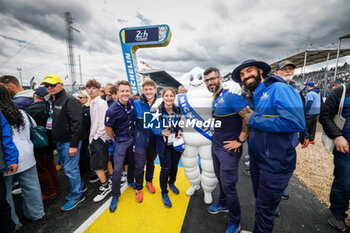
{"type": "Point", "coordinates": [50, 85]}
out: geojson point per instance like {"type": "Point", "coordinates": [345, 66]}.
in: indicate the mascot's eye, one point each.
{"type": "Point", "coordinates": [191, 78]}
{"type": "Point", "coordinates": [200, 77]}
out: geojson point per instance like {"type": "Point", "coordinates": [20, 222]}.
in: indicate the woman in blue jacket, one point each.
{"type": "Point", "coordinates": [164, 137]}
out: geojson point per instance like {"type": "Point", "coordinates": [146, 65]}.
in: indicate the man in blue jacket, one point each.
{"type": "Point", "coordinates": [312, 109]}
{"type": "Point", "coordinates": [145, 149]}
{"type": "Point", "coordinates": [9, 164]}
{"type": "Point", "coordinates": [277, 118]}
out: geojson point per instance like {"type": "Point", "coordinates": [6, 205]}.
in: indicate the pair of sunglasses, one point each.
{"type": "Point", "coordinates": [50, 85]}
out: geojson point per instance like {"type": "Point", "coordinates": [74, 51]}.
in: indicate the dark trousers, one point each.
{"type": "Point", "coordinates": [169, 162]}
{"type": "Point", "coordinates": [311, 122]}
{"type": "Point", "coordinates": [144, 156]}
{"type": "Point", "coordinates": [340, 191]}
{"type": "Point", "coordinates": [6, 223]}
{"type": "Point", "coordinates": [47, 172]}
{"type": "Point", "coordinates": [129, 160]}
{"type": "Point", "coordinates": [84, 162]}
{"type": "Point", "coordinates": [226, 170]}
{"type": "Point", "coordinates": [268, 190]}
{"type": "Point", "coordinates": [121, 146]}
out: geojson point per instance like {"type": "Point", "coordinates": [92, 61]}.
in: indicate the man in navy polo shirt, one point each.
{"type": "Point", "coordinates": [119, 124]}
{"type": "Point", "coordinates": [226, 146]}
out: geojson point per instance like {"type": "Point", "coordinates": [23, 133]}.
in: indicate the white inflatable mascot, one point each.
{"type": "Point", "coordinates": [200, 99]}
{"type": "Point", "coordinates": [199, 144]}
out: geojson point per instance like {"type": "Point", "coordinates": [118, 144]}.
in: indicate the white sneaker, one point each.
{"type": "Point", "coordinates": [247, 157]}
{"type": "Point", "coordinates": [190, 191]}
{"type": "Point", "coordinates": [17, 191]}
{"type": "Point", "coordinates": [104, 191]}
{"type": "Point", "coordinates": [247, 163]}
{"type": "Point", "coordinates": [123, 179]}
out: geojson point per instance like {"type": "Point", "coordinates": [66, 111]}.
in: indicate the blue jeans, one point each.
{"type": "Point", "coordinates": [340, 191]}
{"type": "Point", "coordinates": [70, 165]}
{"type": "Point", "coordinates": [33, 207]}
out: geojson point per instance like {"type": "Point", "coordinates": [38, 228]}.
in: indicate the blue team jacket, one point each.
{"type": "Point", "coordinates": [9, 151]}
{"type": "Point", "coordinates": [278, 117]}
{"type": "Point", "coordinates": [142, 137]}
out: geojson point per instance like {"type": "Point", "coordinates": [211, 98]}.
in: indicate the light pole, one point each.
{"type": "Point", "coordinates": [336, 64]}
{"type": "Point", "coordinates": [20, 75]}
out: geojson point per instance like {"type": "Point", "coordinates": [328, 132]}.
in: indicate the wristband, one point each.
{"type": "Point", "coordinates": [238, 140]}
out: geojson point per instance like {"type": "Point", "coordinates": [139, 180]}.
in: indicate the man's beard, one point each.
{"type": "Point", "coordinates": [288, 78]}
{"type": "Point", "coordinates": [216, 88]}
{"type": "Point", "coordinates": [252, 86]}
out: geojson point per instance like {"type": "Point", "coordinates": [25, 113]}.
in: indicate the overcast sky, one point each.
{"type": "Point", "coordinates": [219, 33]}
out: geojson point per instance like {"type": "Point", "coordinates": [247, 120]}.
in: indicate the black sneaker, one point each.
{"type": "Point", "coordinates": [103, 192]}
{"type": "Point", "coordinates": [247, 172]}
{"type": "Point", "coordinates": [94, 179]}
{"type": "Point", "coordinates": [337, 223]}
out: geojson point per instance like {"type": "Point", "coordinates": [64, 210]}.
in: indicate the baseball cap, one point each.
{"type": "Point", "coordinates": [52, 79]}
{"type": "Point", "coordinates": [310, 84]}
{"type": "Point", "coordinates": [283, 64]}
{"type": "Point", "coordinates": [41, 91]}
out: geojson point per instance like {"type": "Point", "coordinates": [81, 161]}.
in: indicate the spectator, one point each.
{"type": "Point", "coordinates": [26, 174]}
{"type": "Point", "coordinates": [98, 136]}
{"type": "Point", "coordinates": [113, 92]}
{"type": "Point", "coordinates": [182, 90]}
{"type": "Point", "coordinates": [102, 92]}
{"type": "Point", "coordinates": [168, 156]}
{"type": "Point", "coordinates": [339, 196]}
{"type": "Point", "coordinates": [67, 126]}
{"type": "Point", "coordinates": [108, 94]}
{"type": "Point", "coordinates": [312, 109]}
{"type": "Point", "coordinates": [84, 162]}
{"type": "Point", "coordinates": [22, 98]}
{"type": "Point", "coordinates": [8, 164]}
{"type": "Point", "coordinates": [48, 177]}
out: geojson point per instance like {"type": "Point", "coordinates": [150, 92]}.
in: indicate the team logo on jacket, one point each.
{"type": "Point", "coordinates": [264, 96]}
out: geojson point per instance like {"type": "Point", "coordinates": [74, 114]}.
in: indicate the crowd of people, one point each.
{"type": "Point", "coordinates": [103, 130]}
{"type": "Point", "coordinates": [319, 77]}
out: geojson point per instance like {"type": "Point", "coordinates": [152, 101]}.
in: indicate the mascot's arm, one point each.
{"type": "Point", "coordinates": [234, 88]}
{"type": "Point", "coordinates": [156, 104]}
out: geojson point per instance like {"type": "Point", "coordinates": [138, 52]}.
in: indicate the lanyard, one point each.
{"type": "Point", "coordinates": [126, 108]}
{"type": "Point", "coordinates": [215, 100]}
{"type": "Point", "coordinates": [127, 112]}
{"type": "Point", "coordinates": [51, 110]}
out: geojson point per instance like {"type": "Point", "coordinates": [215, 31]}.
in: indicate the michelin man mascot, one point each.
{"type": "Point", "coordinates": [198, 141]}
{"type": "Point", "coordinates": [197, 104]}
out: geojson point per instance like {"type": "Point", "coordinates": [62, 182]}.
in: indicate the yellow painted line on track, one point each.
{"type": "Point", "coordinates": [150, 216]}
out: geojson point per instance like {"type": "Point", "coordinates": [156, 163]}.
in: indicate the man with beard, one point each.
{"type": "Point", "coordinates": [285, 70]}
{"type": "Point", "coordinates": [277, 118]}
{"type": "Point", "coordinates": [227, 145]}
